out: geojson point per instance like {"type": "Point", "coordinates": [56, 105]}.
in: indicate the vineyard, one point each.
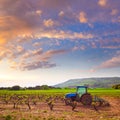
{"type": "Point", "coordinates": [50, 105]}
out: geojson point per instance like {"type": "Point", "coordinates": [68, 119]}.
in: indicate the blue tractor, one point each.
{"type": "Point", "coordinates": [81, 95]}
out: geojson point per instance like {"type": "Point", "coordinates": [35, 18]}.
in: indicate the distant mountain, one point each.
{"type": "Point", "coordinates": [104, 82]}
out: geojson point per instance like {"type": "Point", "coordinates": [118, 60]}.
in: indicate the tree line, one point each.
{"type": "Point", "coordinates": [17, 87]}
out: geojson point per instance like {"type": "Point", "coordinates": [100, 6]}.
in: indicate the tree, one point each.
{"type": "Point", "coordinates": [117, 86]}
{"type": "Point", "coordinates": [44, 87]}
{"type": "Point", "coordinates": [16, 87]}
{"type": "Point", "coordinates": [37, 87]}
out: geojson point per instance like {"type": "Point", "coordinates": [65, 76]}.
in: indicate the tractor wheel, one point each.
{"type": "Point", "coordinates": [68, 101]}
{"type": "Point", "coordinates": [86, 99]}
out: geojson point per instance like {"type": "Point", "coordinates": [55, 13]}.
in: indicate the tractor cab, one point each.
{"type": "Point", "coordinates": [81, 90]}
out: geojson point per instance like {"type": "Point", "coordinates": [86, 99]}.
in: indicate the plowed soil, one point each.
{"type": "Point", "coordinates": [60, 111]}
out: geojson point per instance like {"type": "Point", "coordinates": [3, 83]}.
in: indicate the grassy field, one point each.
{"type": "Point", "coordinates": [97, 91]}
{"type": "Point", "coordinates": [105, 92]}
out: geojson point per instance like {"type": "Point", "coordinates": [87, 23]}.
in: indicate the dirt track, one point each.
{"type": "Point", "coordinates": [60, 111]}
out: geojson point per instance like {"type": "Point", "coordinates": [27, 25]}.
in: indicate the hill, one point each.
{"type": "Point", "coordinates": [104, 82]}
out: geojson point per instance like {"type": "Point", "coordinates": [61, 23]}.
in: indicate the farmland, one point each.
{"type": "Point", "coordinates": [49, 105]}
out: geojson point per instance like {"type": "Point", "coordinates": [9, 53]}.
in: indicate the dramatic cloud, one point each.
{"type": "Point", "coordinates": [17, 18]}
{"type": "Point", "coordinates": [41, 29]}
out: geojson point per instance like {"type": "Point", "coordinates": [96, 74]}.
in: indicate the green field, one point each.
{"type": "Point", "coordinates": [97, 91]}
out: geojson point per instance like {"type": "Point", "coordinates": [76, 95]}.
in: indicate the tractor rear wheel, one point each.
{"type": "Point", "coordinates": [86, 99]}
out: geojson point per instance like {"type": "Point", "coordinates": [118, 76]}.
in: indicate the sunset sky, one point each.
{"type": "Point", "coordinates": [51, 41]}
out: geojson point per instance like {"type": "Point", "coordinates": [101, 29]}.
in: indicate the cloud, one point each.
{"type": "Point", "coordinates": [50, 53]}
{"type": "Point", "coordinates": [118, 52]}
{"type": "Point", "coordinates": [109, 43]}
{"type": "Point", "coordinates": [34, 13]}
{"type": "Point", "coordinates": [20, 49]}
{"type": "Point", "coordinates": [55, 52]}
{"type": "Point", "coordinates": [36, 59]}
{"type": "Point", "coordinates": [18, 40]}
{"type": "Point", "coordinates": [37, 44]}
{"type": "Point", "coordinates": [48, 23]}
{"type": "Point", "coordinates": [36, 65]}
{"type": "Point", "coordinates": [114, 62]}
{"type": "Point", "coordinates": [82, 47]}
{"type": "Point", "coordinates": [27, 28]}
{"type": "Point", "coordinates": [2, 55]}
{"type": "Point", "coordinates": [114, 12]}
{"type": "Point", "coordinates": [32, 53]}
{"type": "Point", "coordinates": [23, 66]}
{"type": "Point", "coordinates": [102, 3]}
{"type": "Point", "coordinates": [82, 17]}
{"type": "Point", "coordinates": [10, 28]}
{"type": "Point", "coordinates": [38, 12]}
{"type": "Point", "coordinates": [29, 17]}
{"type": "Point", "coordinates": [111, 47]}
{"type": "Point", "coordinates": [11, 52]}
{"type": "Point", "coordinates": [55, 34]}
{"type": "Point", "coordinates": [61, 13]}
{"type": "Point", "coordinates": [17, 18]}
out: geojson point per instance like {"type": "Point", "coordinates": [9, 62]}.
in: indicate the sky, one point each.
{"type": "Point", "coordinates": [51, 41]}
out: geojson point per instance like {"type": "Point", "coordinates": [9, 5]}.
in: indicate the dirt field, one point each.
{"type": "Point", "coordinates": [60, 111]}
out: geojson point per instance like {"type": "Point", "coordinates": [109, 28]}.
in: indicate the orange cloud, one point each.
{"type": "Point", "coordinates": [38, 12]}
{"type": "Point", "coordinates": [23, 22]}
{"type": "Point", "coordinates": [2, 41]}
{"type": "Point", "coordinates": [63, 35]}
{"type": "Point", "coordinates": [48, 23]}
{"type": "Point", "coordinates": [11, 27]}
{"type": "Point", "coordinates": [111, 63]}
{"type": "Point", "coordinates": [82, 17]}
{"type": "Point", "coordinates": [32, 53]}
{"type": "Point", "coordinates": [20, 48]}
{"type": "Point", "coordinates": [102, 3]}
